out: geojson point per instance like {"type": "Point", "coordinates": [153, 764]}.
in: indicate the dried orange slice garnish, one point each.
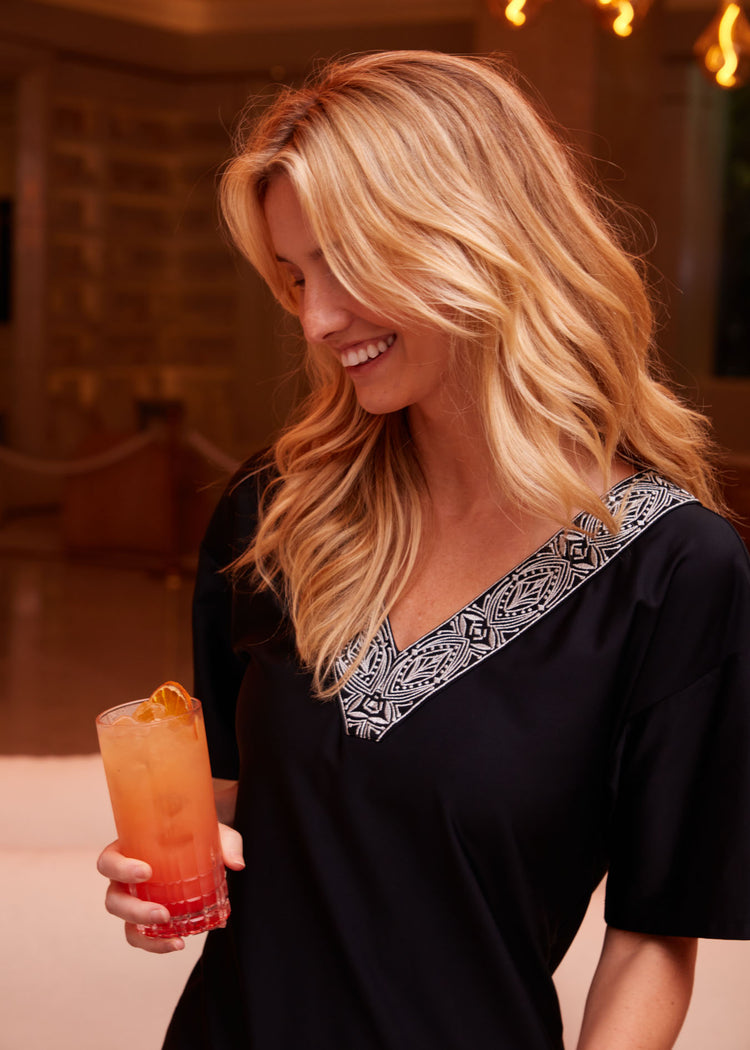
{"type": "Point", "coordinates": [168, 700]}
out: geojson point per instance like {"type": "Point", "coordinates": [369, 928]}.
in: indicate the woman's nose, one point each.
{"type": "Point", "coordinates": [324, 310]}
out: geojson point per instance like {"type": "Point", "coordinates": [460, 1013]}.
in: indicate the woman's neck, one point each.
{"type": "Point", "coordinates": [460, 470]}
{"type": "Point", "coordinates": [455, 459]}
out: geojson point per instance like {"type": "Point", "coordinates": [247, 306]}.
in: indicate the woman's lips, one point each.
{"type": "Point", "coordinates": [367, 352]}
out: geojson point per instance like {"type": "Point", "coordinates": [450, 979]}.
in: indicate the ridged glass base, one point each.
{"type": "Point", "coordinates": [209, 919]}
{"type": "Point", "coordinates": [191, 912]}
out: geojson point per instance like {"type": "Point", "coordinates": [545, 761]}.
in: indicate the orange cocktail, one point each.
{"type": "Point", "coordinates": [160, 785]}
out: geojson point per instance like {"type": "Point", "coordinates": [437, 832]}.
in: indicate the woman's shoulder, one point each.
{"type": "Point", "coordinates": [690, 563]}
{"type": "Point", "coordinates": [235, 517]}
{"type": "Point", "coordinates": [695, 569]}
{"type": "Point", "coordinates": [671, 519]}
{"type": "Point", "coordinates": [700, 537]}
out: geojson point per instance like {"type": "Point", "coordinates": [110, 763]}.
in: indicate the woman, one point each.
{"type": "Point", "coordinates": [466, 638]}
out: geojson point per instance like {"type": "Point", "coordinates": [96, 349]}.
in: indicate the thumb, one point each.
{"type": "Point", "coordinates": [231, 847]}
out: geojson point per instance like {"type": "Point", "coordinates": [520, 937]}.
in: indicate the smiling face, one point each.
{"type": "Point", "coordinates": [392, 366]}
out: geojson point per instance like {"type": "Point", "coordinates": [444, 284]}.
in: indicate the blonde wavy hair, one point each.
{"type": "Point", "coordinates": [439, 196]}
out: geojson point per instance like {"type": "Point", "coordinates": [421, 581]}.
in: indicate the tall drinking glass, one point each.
{"type": "Point", "coordinates": [159, 781]}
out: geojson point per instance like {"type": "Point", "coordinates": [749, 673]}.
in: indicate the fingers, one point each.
{"type": "Point", "coordinates": [231, 847]}
{"type": "Point", "coordinates": [113, 865]}
{"type": "Point", "coordinates": [156, 945]}
{"type": "Point", "coordinates": [120, 902]}
{"type": "Point", "coordinates": [124, 872]}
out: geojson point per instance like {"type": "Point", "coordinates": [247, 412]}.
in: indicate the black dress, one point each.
{"type": "Point", "coordinates": [421, 853]}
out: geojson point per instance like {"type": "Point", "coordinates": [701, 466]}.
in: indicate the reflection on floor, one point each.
{"type": "Point", "coordinates": [76, 638]}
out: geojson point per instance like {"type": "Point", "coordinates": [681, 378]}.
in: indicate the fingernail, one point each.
{"type": "Point", "coordinates": [158, 915]}
{"type": "Point", "coordinates": [141, 874]}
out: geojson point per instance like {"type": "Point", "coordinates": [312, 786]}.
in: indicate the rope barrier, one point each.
{"type": "Point", "coordinates": [89, 464]}
{"type": "Point", "coordinates": [210, 452]}
{"type": "Point", "coordinates": [83, 465]}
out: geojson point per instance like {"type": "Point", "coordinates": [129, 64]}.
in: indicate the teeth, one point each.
{"type": "Point", "coordinates": [350, 358]}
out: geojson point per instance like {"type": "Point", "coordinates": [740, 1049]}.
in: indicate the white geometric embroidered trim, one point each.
{"type": "Point", "coordinates": [388, 685]}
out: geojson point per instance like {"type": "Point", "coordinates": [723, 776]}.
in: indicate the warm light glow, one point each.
{"type": "Point", "coordinates": [514, 12]}
{"type": "Point", "coordinates": [623, 24]}
{"type": "Point", "coordinates": [621, 16]}
{"type": "Point", "coordinates": [725, 75]}
{"type": "Point", "coordinates": [724, 47]}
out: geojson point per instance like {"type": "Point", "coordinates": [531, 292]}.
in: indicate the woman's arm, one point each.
{"type": "Point", "coordinates": [640, 992]}
{"type": "Point", "coordinates": [225, 793]}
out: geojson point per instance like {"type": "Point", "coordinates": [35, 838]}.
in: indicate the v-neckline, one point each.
{"type": "Point", "coordinates": [388, 684]}
{"type": "Point", "coordinates": [609, 496]}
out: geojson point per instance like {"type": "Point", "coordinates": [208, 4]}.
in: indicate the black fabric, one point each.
{"type": "Point", "coordinates": [417, 893]}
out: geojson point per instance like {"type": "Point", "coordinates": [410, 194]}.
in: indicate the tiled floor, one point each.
{"type": "Point", "coordinates": [77, 637]}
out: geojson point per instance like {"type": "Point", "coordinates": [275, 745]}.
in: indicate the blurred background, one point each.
{"type": "Point", "coordinates": [140, 361]}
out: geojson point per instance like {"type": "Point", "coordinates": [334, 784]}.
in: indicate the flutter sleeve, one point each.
{"type": "Point", "coordinates": [220, 653]}
{"type": "Point", "coordinates": [680, 830]}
